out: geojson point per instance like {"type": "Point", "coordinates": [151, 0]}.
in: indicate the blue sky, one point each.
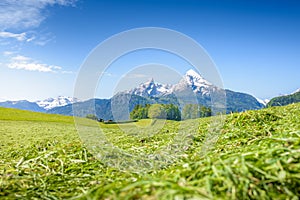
{"type": "Point", "coordinates": [255, 44]}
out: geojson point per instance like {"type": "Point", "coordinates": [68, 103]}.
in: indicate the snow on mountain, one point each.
{"type": "Point", "coordinates": [2, 100]}
{"type": "Point", "coordinates": [196, 82]}
{"type": "Point", "coordinates": [264, 102]}
{"type": "Point", "coordinates": [267, 101]}
{"type": "Point", "coordinates": [296, 91]}
{"type": "Point", "coordinates": [50, 103]}
{"type": "Point", "coordinates": [191, 80]}
{"type": "Point", "coordinates": [151, 89]}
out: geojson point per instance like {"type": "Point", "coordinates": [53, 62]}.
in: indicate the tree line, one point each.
{"type": "Point", "coordinates": [169, 111]}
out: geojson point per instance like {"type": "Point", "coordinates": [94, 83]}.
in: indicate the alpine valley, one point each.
{"type": "Point", "coordinates": [191, 89]}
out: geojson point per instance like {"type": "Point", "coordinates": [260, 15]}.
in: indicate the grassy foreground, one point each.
{"type": "Point", "coordinates": [257, 156]}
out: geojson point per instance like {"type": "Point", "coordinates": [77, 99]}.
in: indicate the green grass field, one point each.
{"type": "Point", "coordinates": [257, 156]}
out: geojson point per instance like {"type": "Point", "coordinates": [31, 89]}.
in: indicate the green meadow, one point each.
{"type": "Point", "coordinates": [255, 156]}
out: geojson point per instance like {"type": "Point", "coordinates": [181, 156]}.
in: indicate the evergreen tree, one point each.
{"type": "Point", "coordinates": [193, 111]}
{"type": "Point", "coordinates": [205, 111]}
{"type": "Point", "coordinates": [140, 112]}
{"type": "Point", "coordinates": [157, 111]}
{"type": "Point", "coordinates": [173, 112]}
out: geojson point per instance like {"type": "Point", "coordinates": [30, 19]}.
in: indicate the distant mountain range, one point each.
{"type": "Point", "coordinates": [23, 105]}
{"type": "Point", "coordinates": [41, 105]}
{"type": "Point", "coordinates": [192, 88]}
{"type": "Point", "coordinates": [50, 103]}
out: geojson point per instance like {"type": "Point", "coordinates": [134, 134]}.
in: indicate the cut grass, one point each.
{"type": "Point", "coordinates": [257, 156]}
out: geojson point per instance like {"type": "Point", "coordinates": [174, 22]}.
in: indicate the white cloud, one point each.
{"type": "Point", "coordinates": [30, 66]}
{"type": "Point", "coordinates": [26, 13]}
{"type": "Point", "coordinates": [30, 39]}
{"type": "Point", "coordinates": [18, 36]}
{"type": "Point", "coordinates": [57, 67]}
{"type": "Point", "coordinates": [20, 58]}
{"type": "Point", "coordinates": [8, 53]}
{"type": "Point", "coordinates": [26, 63]}
{"type": "Point", "coordinates": [23, 15]}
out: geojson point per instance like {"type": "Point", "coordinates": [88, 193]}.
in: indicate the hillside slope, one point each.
{"type": "Point", "coordinates": [11, 114]}
{"type": "Point", "coordinates": [23, 105]}
{"type": "Point", "coordinates": [285, 100]}
{"type": "Point", "coordinates": [122, 104]}
{"type": "Point", "coordinates": [255, 157]}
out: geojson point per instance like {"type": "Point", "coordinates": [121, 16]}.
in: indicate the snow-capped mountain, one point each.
{"type": "Point", "coordinates": [50, 103]}
{"type": "Point", "coordinates": [151, 89]}
{"type": "Point", "coordinates": [191, 80]}
{"type": "Point", "coordinates": [194, 81]}
{"type": "Point", "coordinates": [39, 106]}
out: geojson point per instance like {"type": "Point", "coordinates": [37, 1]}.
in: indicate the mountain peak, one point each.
{"type": "Point", "coordinates": [50, 103]}
{"type": "Point", "coordinates": [196, 82]}
{"type": "Point", "coordinates": [191, 72]}
{"type": "Point", "coordinates": [151, 80]}
{"type": "Point", "coordinates": [148, 83]}
{"type": "Point", "coordinates": [150, 89]}
{"type": "Point", "coordinates": [196, 77]}
{"type": "Point", "coordinates": [191, 79]}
